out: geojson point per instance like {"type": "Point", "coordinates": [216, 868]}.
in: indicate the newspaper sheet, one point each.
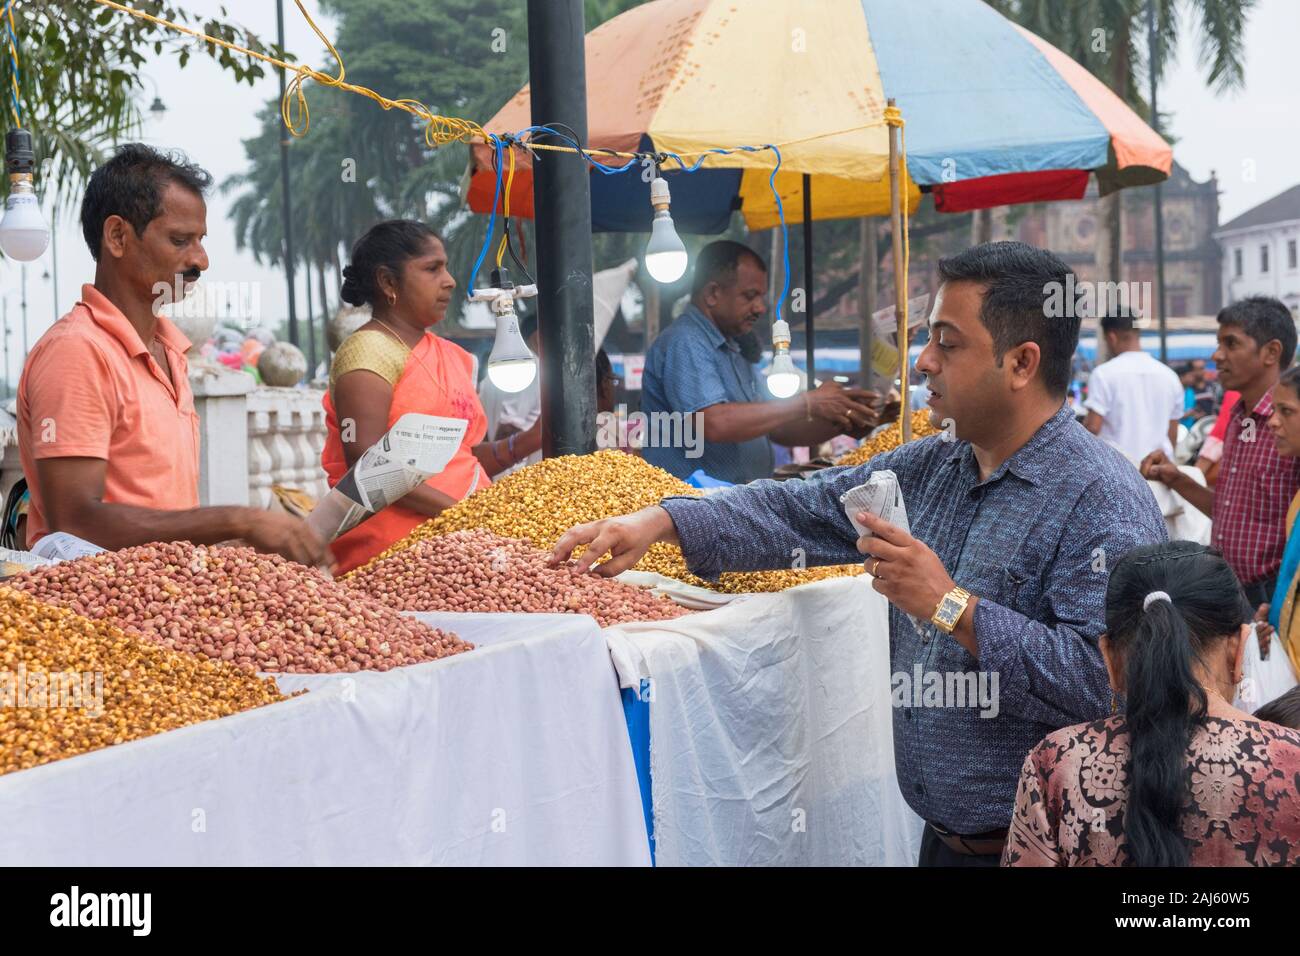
{"type": "Point", "coordinates": [416, 447]}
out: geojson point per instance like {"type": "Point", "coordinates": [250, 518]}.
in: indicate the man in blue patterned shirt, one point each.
{"type": "Point", "coordinates": [696, 368]}
{"type": "Point", "coordinates": [1016, 512]}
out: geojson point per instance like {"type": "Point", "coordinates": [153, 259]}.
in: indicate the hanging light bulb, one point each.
{"type": "Point", "coordinates": [783, 379]}
{"type": "Point", "coordinates": [24, 234]}
{"type": "Point", "coordinates": [665, 254]}
{"type": "Point", "coordinates": [512, 366]}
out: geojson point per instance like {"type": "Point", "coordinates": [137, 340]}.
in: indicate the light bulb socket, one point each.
{"type": "Point", "coordinates": [20, 153]}
{"type": "Point", "coordinates": [781, 334]}
{"type": "Point", "coordinates": [660, 197]}
{"type": "Point", "coordinates": [501, 278]}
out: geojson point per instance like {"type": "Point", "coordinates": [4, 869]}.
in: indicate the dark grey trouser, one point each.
{"type": "Point", "coordinates": [934, 852]}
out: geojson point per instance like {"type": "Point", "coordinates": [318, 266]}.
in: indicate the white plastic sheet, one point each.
{"type": "Point", "coordinates": [771, 730]}
{"type": "Point", "coordinates": [515, 753]}
{"type": "Point", "coordinates": [1263, 679]}
{"type": "Point", "coordinates": [1183, 520]}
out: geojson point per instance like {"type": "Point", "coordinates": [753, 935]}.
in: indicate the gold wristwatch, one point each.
{"type": "Point", "coordinates": [950, 609]}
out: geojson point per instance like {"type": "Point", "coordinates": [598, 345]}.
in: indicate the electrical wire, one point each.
{"type": "Point", "coordinates": [442, 130]}
{"type": "Point", "coordinates": [11, 34]}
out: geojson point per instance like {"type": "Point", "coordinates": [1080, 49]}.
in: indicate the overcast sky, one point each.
{"type": "Point", "coordinates": [1251, 138]}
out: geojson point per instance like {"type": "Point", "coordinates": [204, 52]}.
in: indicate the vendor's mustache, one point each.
{"type": "Point", "coordinates": [191, 275]}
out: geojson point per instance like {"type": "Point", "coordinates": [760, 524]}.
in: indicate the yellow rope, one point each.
{"type": "Point", "coordinates": [13, 56]}
{"type": "Point", "coordinates": [894, 117]}
{"type": "Point", "coordinates": [439, 130]}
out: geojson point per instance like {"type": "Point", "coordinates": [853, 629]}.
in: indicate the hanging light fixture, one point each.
{"type": "Point", "coordinates": [665, 254]}
{"type": "Point", "coordinates": [511, 366]}
{"type": "Point", "coordinates": [783, 379]}
{"type": "Point", "coordinates": [24, 234]}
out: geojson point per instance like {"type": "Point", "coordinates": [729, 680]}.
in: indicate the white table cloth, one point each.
{"type": "Point", "coordinates": [514, 753]}
{"type": "Point", "coordinates": [771, 730]}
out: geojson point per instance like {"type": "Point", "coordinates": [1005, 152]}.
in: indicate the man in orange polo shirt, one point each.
{"type": "Point", "coordinates": [107, 429]}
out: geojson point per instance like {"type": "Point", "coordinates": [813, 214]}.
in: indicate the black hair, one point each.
{"type": "Point", "coordinates": [1284, 710]}
{"type": "Point", "coordinates": [1291, 379]}
{"type": "Point", "coordinates": [604, 367]}
{"type": "Point", "coordinates": [1121, 319]}
{"type": "Point", "coordinates": [717, 262]}
{"type": "Point", "coordinates": [1264, 319]}
{"type": "Point", "coordinates": [131, 185]}
{"type": "Point", "coordinates": [1020, 281]}
{"type": "Point", "coordinates": [1159, 645]}
{"type": "Point", "coordinates": [386, 245]}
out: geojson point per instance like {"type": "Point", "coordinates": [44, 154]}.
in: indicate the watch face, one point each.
{"type": "Point", "coordinates": [948, 608]}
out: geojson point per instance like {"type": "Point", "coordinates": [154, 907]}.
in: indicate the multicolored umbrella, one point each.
{"type": "Point", "coordinates": [994, 115]}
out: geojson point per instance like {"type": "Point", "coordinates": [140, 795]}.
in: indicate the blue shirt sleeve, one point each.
{"type": "Point", "coordinates": [765, 525]}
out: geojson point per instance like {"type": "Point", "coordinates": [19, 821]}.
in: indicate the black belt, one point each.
{"type": "Point", "coordinates": [989, 843]}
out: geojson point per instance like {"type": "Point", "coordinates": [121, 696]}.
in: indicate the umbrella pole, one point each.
{"type": "Point", "coordinates": [866, 297]}
{"type": "Point", "coordinates": [810, 346]}
{"type": "Point", "coordinates": [900, 291]}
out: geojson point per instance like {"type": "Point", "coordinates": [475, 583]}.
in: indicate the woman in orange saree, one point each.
{"type": "Point", "coordinates": [393, 365]}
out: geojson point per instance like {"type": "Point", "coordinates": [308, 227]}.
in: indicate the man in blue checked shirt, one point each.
{"type": "Point", "coordinates": [1016, 512]}
{"type": "Point", "coordinates": [696, 368]}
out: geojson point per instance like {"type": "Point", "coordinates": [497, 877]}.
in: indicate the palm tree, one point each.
{"type": "Point", "coordinates": [79, 78]}
{"type": "Point", "coordinates": [329, 209]}
{"type": "Point", "coordinates": [1119, 57]}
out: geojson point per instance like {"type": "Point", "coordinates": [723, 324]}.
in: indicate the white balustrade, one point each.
{"type": "Point", "coordinates": [250, 438]}
{"type": "Point", "coordinates": [286, 433]}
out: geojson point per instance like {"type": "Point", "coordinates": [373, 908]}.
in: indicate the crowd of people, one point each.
{"type": "Point", "coordinates": [1036, 551]}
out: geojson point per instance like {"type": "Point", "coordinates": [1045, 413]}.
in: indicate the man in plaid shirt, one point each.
{"type": "Point", "coordinates": [1257, 340]}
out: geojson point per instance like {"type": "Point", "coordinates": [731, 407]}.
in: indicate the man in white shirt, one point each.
{"type": "Point", "coordinates": [1134, 401]}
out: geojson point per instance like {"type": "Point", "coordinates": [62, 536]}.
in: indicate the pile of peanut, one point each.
{"type": "Point", "coordinates": [481, 571]}
{"type": "Point", "coordinates": [542, 501]}
{"type": "Point", "coordinates": [259, 612]}
{"type": "Point", "coordinates": [887, 440]}
{"type": "Point", "coordinates": [69, 685]}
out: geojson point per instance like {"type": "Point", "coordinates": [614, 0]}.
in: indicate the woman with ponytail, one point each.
{"type": "Point", "coordinates": [1176, 776]}
{"type": "Point", "coordinates": [395, 364]}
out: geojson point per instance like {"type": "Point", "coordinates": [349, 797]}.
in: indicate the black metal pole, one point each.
{"type": "Point", "coordinates": [1153, 62]}
{"type": "Point", "coordinates": [54, 258]}
{"type": "Point", "coordinates": [562, 202]}
{"type": "Point", "coordinates": [284, 190]}
{"type": "Point", "coordinates": [311, 328]}
{"type": "Point", "coordinates": [24, 308]}
{"type": "Point", "coordinates": [810, 344]}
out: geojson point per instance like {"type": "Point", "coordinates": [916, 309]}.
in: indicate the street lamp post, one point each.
{"type": "Point", "coordinates": [24, 311]}
{"type": "Point", "coordinates": [1153, 63]}
{"type": "Point", "coordinates": [54, 258]}
{"type": "Point", "coordinates": [284, 190]}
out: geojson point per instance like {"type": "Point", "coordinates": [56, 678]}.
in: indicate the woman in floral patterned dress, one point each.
{"type": "Point", "coordinates": [1179, 777]}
